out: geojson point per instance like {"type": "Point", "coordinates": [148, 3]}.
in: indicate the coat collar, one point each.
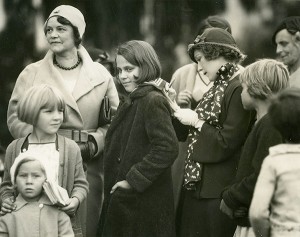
{"type": "Point", "coordinates": [21, 202]}
{"type": "Point", "coordinates": [139, 92]}
{"type": "Point", "coordinates": [91, 75]}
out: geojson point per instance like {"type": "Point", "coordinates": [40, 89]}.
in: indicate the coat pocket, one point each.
{"type": "Point", "coordinates": [122, 213]}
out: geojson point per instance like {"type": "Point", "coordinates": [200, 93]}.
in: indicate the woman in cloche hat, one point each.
{"type": "Point", "coordinates": [215, 130]}
{"type": "Point", "coordinates": [84, 83]}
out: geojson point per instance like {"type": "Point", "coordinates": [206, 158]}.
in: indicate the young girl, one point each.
{"type": "Point", "coordinates": [34, 213]}
{"type": "Point", "coordinates": [260, 81]}
{"type": "Point", "coordinates": [44, 108]}
{"type": "Point", "coordinates": [275, 209]}
{"type": "Point", "coordinates": [140, 148]}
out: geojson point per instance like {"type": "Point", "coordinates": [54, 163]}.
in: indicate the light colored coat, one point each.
{"type": "Point", "coordinates": [35, 219]}
{"type": "Point", "coordinates": [275, 209]}
{"type": "Point", "coordinates": [83, 105]}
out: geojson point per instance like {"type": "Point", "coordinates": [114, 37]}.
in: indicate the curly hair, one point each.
{"type": "Point", "coordinates": [213, 51]}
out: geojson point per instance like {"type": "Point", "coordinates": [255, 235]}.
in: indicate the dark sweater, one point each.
{"type": "Point", "coordinates": [256, 148]}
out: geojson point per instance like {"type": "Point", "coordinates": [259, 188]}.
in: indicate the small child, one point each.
{"type": "Point", "coordinates": [275, 208]}
{"type": "Point", "coordinates": [260, 81]}
{"type": "Point", "coordinates": [44, 108]}
{"type": "Point", "coordinates": [35, 215]}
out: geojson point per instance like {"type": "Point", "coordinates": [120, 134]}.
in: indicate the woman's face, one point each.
{"type": "Point", "coordinates": [127, 73]}
{"type": "Point", "coordinates": [60, 37]}
{"type": "Point", "coordinates": [209, 67]}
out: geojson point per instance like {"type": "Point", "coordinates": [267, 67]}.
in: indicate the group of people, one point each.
{"type": "Point", "coordinates": [212, 153]}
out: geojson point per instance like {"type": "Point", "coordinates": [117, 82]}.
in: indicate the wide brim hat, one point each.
{"type": "Point", "coordinates": [291, 24]}
{"type": "Point", "coordinates": [213, 36]}
{"type": "Point", "coordinates": [72, 14]}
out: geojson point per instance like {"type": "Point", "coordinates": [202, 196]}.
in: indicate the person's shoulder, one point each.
{"type": "Point", "coordinates": [182, 71]}
{"type": "Point", "coordinates": [265, 122]}
{"type": "Point", "coordinates": [154, 100]}
{"type": "Point", "coordinates": [32, 67]}
{"type": "Point", "coordinates": [187, 67]}
{"type": "Point", "coordinates": [14, 143]}
{"type": "Point", "coordinates": [69, 142]}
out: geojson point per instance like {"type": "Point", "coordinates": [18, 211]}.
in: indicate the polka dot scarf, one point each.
{"type": "Point", "coordinates": [208, 109]}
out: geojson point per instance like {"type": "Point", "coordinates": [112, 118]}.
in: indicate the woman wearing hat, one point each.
{"type": "Point", "coordinates": [215, 132]}
{"type": "Point", "coordinates": [84, 83]}
{"type": "Point", "coordinates": [190, 84]}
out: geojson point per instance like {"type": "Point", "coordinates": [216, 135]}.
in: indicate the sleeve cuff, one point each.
{"type": "Point", "coordinates": [199, 125]}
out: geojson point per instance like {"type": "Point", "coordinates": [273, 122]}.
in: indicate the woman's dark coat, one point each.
{"type": "Point", "coordinates": [141, 146]}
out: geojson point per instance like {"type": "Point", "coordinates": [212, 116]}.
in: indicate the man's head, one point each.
{"type": "Point", "coordinates": [287, 40]}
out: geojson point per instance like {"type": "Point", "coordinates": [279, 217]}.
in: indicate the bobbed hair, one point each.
{"type": "Point", "coordinates": [64, 21]}
{"type": "Point", "coordinates": [284, 112]}
{"type": "Point", "coordinates": [141, 54]}
{"type": "Point", "coordinates": [37, 98]}
{"type": "Point", "coordinates": [264, 78]}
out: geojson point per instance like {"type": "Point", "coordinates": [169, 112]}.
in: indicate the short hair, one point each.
{"type": "Point", "coordinates": [37, 98]}
{"type": "Point", "coordinates": [214, 21]}
{"type": "Point", "coordinates": [284, 112]}
{"type": "Point", "coordinates": [264, 78]}
{"type": "Point", "coordinates": [141, 54]}
{"type": "Point", "coordinates": [291, 24]}
{"type": "Point", "coordinates": [64, 21]}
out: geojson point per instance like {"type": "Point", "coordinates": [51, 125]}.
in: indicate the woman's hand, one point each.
{"type": "Point", "coordinates": [184, 98]}
{"type": "Point", "coordinates": [72, 207]}
{"type": "Point", "coordinates": [8, 206]}
{"type": "Point", "coordinates": [87, 149]}
{"type": "Point", "coordinates": [187, 117]}
{"type": "Point", "coordinates": [122, 184]}
{"type": "Point", "coordinates": [225, 209]}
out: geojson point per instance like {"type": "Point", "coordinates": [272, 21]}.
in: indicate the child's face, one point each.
{"type": "Point", "coordinates": [127, 73]}
{"type": "Point", "coordinates": [30, 180]}
{"type": "Point", "coordinates": [247, 100]}
{"type": "Point", "coordinates": [49, 121]}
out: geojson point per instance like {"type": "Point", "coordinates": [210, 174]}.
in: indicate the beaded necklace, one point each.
{"type": "Point", "coordinates": [66, 68]}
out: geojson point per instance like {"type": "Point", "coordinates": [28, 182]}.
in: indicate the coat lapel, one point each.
{"type": "Point", "coordinates": [48, 74]}
{"type": "Point", "coordinates": [89, 77]}
{"type": "Point", "coordinates": [121, 112]}
{"type": "Point", "coordinates": [141, 91]}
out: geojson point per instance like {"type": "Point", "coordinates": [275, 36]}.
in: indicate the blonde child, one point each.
{"type": "Point", "coordinates": [275, 209]}
{"type": "Point", "coordinates": [43, 107]}
{"type": "Point", "coordinates": [34, 213]}
{"type": "Point", "coordinates": [260, 81]}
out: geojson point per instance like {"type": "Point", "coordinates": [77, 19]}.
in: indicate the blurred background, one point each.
{"type": "Point", "coordinates": [169, 25]}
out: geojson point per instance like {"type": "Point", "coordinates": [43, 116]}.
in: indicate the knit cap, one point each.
{"type": "Point", "coordinates": [29, 155]}
{"type": "Point", "coordinates": [72, 14]}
